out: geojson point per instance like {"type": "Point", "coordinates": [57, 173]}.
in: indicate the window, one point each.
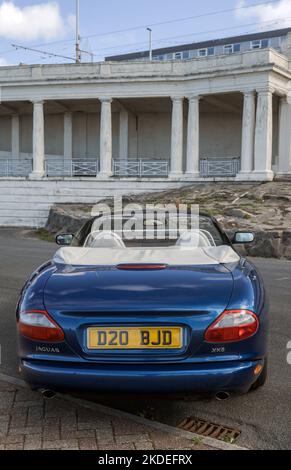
{"type": "Point", "coordinates": [228, 49]}
{"type": "Point", "coordinates": [210, 51]}
{"type": "Point", "coordinates": [260, 44]}
{"type": "Point", "coordinates": [256, 44]}
{"type": "Point", "coordinates": [158, 57]}
{"type": "Point", "coordinates": [186, 54]}
{"type": "Point", "coordinates": [231, 48]}
{"type": "Point", "coordinates": [202, 52]}
{"type": "Point", "coordinates": [169, 57]}
{"type": "Point", "coordinates": [264, 43]}
{"type": "Point", "coordinates": [178, 55]}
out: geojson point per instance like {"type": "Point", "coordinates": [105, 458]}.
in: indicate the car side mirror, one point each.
{"type": "Point", "coordinates": [64, 239]}
{"type": "Point", "coordinates": [242, 238]}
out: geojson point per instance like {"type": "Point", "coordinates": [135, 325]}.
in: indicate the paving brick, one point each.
{"type": "Point", "coordinates": [6, 400]}
{"type": "Point", "coordinates": [51, 433]}
{"type": "Point", "coordinates": [4, 419]}
{"type": "Point", "coordinates": [14, 447]}
{"type": "Point", "coordinates": [143, 445]}
{"type": "Point", "coordinates": [78, 434]}
{"type": "Point", "coordinates": [33, 442]}
{"type": "Point", "coordinates": [69, 444]}
{"type": "Point", "coordinates": [104, 438]}
{"type": "Point", "coordinates": [25, 431]}
{"type": "Point", "coordinates": [12, 440]}
{"type": "Point", "coordinates": [18, 421]}
{"type": "Point", "coordinates": [69, 423]}
{"type": "Point", "coordinates": [88, 444]}
{"type": "Point", "coordinates": [130, 438]}
{"type": "Point", "coordinates": [6, 387]}
{"type": "Point", "coordinates": [31, 423]}
{"type": "Point", "coordinates": [127, 427]}
{"type": "Point", "coordinates": [51, 421]}
{"type": "Point", "coordinates": [28, 396]}
{"type": "Point", "coordinates": [118, 447]}
{"type": "Point", "coordinates": [57, 408]}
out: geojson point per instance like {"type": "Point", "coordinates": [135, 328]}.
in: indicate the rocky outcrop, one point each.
{"type": "Point", "coordinates": [67, 218]}
{"type": "Point", "coordinates": [262, 208]}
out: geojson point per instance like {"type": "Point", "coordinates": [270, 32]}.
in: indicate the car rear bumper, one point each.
{"type": "Point", "coordinates": [234, 377]}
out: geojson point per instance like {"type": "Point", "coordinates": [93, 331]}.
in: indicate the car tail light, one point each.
{"type": "Point", "coordinates": [141, 267]}
{"type": "Point", "coordinates": [231, 326]}
{"type": "Point", "coordinates": [39, 326]}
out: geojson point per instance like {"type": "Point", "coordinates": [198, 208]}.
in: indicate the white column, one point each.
{"type": "Point", "coordinates": [264, 137]}
{"type": "Point", "coordinates": [248, 136]}
{"type": "Point", "coordinates": [285, 136]}
{"type": "Point", "coordinates": [123, 134]}
{"type": "Point", "coordinates": [68, 136]}
{"type": "Point", "coordinates": [38, 140]}
{"type": "Point", "coordinates": [105, 139]}
{"type": "Point", "coordinates": [177, 138]}
{"type": "Point", "coordinates": [193, 157]}
{"type": "Point", "coordinates": [15, 142]}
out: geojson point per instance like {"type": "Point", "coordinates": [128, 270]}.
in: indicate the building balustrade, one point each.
{"type": "Point", "coordinates": [136, 168]}
{"type": "Point", "coordinates": [72, 168]}
{"type": "Point", "coordinates": [141, 168]}
{"type": "Point", "coordinates": [15, 168]}
{"type": "Point", "coordinates": [215, 167]}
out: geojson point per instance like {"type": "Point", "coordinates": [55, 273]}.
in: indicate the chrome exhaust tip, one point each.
{"type": "Point", "coordinates": [221, 396]}
{"type": "Point", "coordinates": [47, 394]}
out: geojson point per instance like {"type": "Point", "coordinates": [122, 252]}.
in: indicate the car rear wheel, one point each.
{"type": "Point", "coordinates": [260, 382]}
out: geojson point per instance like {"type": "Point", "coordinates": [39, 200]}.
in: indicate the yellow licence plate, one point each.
{"type": "Point", "coordinates": [135, 338]}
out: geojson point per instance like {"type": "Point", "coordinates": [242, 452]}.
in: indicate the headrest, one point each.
{"type": "Point", "coordinates": [195, 239]}
{"type": "Point", "coordinates": [104, 240]}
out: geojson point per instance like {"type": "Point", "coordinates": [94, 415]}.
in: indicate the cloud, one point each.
{"type": "Point", "coordinates": [3, 62]}
{"type": "Point", "coordinates": [41, 21]}
{"type": "Point", "coordinates": [278, 14]}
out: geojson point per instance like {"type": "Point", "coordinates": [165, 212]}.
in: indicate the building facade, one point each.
{"type": "Point", "coordinates": [277, 39]}
{"type": "Point", "coordinates": [77, 133]}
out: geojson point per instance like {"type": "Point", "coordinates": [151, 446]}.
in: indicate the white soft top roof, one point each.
{"type": "Point", "coordinates": [171, 256]}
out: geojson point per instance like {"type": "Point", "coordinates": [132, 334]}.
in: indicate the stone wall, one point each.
{"type": "Point", "coordinates": [264, 209]}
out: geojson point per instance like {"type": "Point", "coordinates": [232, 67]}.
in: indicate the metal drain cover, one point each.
{"type": "Point", "coordinates": [208, 429]}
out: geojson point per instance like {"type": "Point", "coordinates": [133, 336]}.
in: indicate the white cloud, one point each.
{"type": "Point", "coordinates": [41, 21]}
{"type": "Point", "coordinates": [3, 62]}
{"type": "Point", "coordinates": [278, 14]}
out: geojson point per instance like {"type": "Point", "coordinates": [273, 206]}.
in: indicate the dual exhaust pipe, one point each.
{"type": "Point", "coordinates": [47, 394]}
{"type": "Point", "coordinates": [50, 395]}
{"type": "Point", "coordinates": [222, 396]}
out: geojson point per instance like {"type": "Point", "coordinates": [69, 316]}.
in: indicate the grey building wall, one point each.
{"type": "Point", "coordinates": [5, 134]}
{"type": "Point", "coordinates": [149, 135]}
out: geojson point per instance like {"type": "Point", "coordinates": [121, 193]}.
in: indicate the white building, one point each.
{"type": "Point", "coordinates": [76, 133]}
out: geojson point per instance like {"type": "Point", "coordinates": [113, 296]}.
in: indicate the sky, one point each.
{"type": "Point", "coordinates": [110, 27]}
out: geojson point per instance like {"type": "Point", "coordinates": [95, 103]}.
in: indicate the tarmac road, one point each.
{"type": "Point", "coordinates": [264, 416]}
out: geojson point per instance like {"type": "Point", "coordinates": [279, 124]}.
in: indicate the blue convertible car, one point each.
{"type": "Point", "coordinates": [185, 314]}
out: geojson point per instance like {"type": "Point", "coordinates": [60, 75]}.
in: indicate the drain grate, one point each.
{"type": "Point", "coordinates": [208, 429]}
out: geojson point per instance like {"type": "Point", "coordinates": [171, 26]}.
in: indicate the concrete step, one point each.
{"type": "Point", "coordinates": [26, 203]}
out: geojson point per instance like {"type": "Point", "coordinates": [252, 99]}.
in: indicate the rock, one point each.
{"type": "Point", "coordinates": [239, 213]}
{"type": "Point", "coordinates": [266, 245]}
{"type": "Point", "coordinates": [286, 245]}
{"type": "Point", "coordinates": [65, 221]}
{"type": "Point", "coordinates": [277, 197]}
{"type": "Point", "coordinates": [270, 220]}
